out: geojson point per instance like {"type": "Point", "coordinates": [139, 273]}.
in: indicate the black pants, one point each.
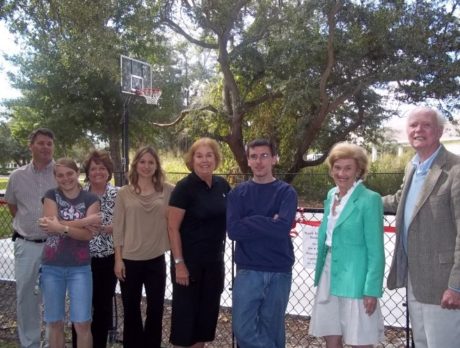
{"type": "Point", "coordinates": [104, 283]}
{"type": "Point", "coordinates": [195, 308]}
{"type": "Point", "coordinates": [151, 274]}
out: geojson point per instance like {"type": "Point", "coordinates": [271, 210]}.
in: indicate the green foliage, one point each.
{"type": "Point", "coordinates": [8, 344]}
{"type": "Point", "coordinates": [387, 172]}
{"type": "Point", "coordinates": [174, 167]}
{"type": "Point", "coordinates": [304, 73]}
{"type": "Point", "coordinates": [69, 72]}
{"type": "Point", "coordinates": [6, 225]}
{"type": "Point", "coordinates": [312, 185]}
{"type": "Point", "coordinates": [307, 74]}
{"type": "Point", "coordinates": [3, 183]}
{"type": "Point", "coordinates": [391, 162]}
{"type": "Point", "coordinates": [385, 183]}
{"type": "Point", "coordinates": [10, 148]}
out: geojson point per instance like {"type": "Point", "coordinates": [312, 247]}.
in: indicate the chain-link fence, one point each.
{"type": "Point", "coordinates": [300, 302]}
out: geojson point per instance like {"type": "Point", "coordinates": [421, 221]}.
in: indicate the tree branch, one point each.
{"type": "Point", "coordinates": [325, 105]}
{"type": "Point", "coordinates": [262, 99]}
{"type": "Point", "coordinates": [183, 114]}
{"type": "Point", "coordinates": [341, 135]}
{"type": "Point", "coordinates": [176, 28]}
{"type": "Point", "coordinates": [343, 97]}
{"type": "Point", "coordinates": [232, 97]}
{"type": "Point", "coordinates": [233, 15]}
{"type": "Point", "coordinates": [324, 100]}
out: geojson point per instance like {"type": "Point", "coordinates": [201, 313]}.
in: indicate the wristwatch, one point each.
{"type": "Point", "coordinates": [177, 261]}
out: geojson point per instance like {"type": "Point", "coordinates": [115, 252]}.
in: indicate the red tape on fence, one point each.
{"type": "Point", "coordinates": [315, 223]}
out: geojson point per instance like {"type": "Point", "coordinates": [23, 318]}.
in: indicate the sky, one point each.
{"type": "Point", "coordinates": [8, 46]}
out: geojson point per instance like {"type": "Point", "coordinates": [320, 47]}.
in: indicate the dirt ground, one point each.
{"type": "Point", "coordinates": [296, 326]}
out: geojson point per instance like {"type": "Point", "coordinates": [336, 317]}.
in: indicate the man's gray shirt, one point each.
{"type": "Point", "coordinates": [26, 188]}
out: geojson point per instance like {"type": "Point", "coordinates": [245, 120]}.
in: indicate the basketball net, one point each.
{"type": "Point", "coordinates": [150, 95]}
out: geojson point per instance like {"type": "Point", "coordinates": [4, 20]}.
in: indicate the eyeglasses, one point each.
{"type": "Point", "coordinates": [262, 156]}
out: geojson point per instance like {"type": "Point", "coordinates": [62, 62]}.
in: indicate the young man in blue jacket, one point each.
{"type": "Point", "coordinates": [260, 213]}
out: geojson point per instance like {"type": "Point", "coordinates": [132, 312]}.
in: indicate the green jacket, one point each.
{"type": "Point", "coordinates": [358, 256]}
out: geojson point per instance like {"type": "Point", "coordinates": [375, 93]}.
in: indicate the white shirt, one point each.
{"type": "Point", "coordinates": [332, 219]}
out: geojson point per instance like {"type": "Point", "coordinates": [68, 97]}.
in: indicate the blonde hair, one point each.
{"type": "Point", "coordinates": [346, 150]}
{"type": "Point", "coordinates": [188, 157]}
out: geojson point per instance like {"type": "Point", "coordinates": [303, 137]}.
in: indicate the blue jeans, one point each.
{"type": "Point", "coordinates": [259, 305]}
{"type": "Point", "coordinates": [55, 281]}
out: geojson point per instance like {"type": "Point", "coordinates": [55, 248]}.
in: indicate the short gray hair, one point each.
{"type": "Point", "coordinates": [441, 121]}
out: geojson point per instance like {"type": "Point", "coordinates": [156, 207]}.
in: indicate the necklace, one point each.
{"type": "Point", "coordinates": [338, 199]}
{"type": "Point", "coordinates": [336, 206]}
{"type": "Point", "coordinates": [97, 191]}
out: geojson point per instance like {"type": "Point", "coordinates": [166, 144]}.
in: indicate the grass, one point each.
{"type": "Point", "coordinates": [171, 165]}
{"type": "Point", "coordinates": [3, 182]}
{"type": "Point", "coordinates": [6, 344]}
{"type": "Point", "coordinates": [6, 229]}
{"type": "Point", "coordinates": [6, 226]}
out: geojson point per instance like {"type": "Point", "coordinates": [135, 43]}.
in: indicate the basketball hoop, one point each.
{"type": "Point", "coordinates": [150, 95]}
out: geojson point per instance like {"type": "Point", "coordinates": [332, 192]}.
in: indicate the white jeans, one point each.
{"type": "Point", "coordinates": [27, 257]}
{"type": "Point", "coordinates": [433, 326]}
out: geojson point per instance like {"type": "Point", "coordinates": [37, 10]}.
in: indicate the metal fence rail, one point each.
{"type": "Point", "coordinates": [300, 302]}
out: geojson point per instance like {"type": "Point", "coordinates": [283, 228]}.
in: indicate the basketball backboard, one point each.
{"type": "Point", "coordinates": [135, 75]}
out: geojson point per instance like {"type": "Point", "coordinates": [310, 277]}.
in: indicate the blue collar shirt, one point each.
{"type": "Point", "coordinates": [420, 172]}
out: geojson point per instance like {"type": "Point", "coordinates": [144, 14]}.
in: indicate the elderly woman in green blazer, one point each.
{"type": "Point", "coordinates": [350, 261]}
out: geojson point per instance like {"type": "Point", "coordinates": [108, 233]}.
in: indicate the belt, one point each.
{"type": "Point", "coordinates": [17, 235]}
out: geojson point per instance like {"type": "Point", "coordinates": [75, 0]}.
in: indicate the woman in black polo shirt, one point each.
{"type": "Point", "coordinates": [196, 227]}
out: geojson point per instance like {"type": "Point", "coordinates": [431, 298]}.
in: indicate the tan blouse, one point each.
{"type": "Point", "coordinates": [139, 223]}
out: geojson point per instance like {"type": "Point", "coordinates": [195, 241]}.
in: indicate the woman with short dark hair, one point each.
{"type": "Point", "coordinates": [98, 167]}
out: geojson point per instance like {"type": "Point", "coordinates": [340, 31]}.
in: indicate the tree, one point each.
{"type": "Point", "coordinates": [10, 149]}
{"type": "Point", "coordinates": [309, 73]}
{"type": "Point", "coordinates": [69, 73]}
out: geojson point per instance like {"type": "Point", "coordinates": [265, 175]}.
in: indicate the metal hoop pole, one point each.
{"type": "Point", "coordinates": [125, 139]}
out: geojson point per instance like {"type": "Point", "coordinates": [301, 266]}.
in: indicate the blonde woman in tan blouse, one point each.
{"type": "Point", "coordinates": [141, 239]}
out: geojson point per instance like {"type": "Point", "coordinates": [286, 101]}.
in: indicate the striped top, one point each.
{"type": "Point", "coordinates": [26, 188]}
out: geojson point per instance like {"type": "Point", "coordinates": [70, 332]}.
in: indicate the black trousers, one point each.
{"type": "Point", "coordinates": [195, 308]}
{"type": "Point", "coordinates": [152, 275]}
{"type": "Point", "coordinates": [104, 283]}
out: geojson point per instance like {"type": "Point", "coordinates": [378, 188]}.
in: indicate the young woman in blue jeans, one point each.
{"type": "Point", "coordinates": [66, 259]}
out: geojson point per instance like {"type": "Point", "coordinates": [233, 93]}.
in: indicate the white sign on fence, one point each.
{"type": "Point", "coordinates": [309, 236]}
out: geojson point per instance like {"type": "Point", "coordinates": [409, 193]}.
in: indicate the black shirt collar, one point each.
{"type": "Point", "coordinates": [195, 177]}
